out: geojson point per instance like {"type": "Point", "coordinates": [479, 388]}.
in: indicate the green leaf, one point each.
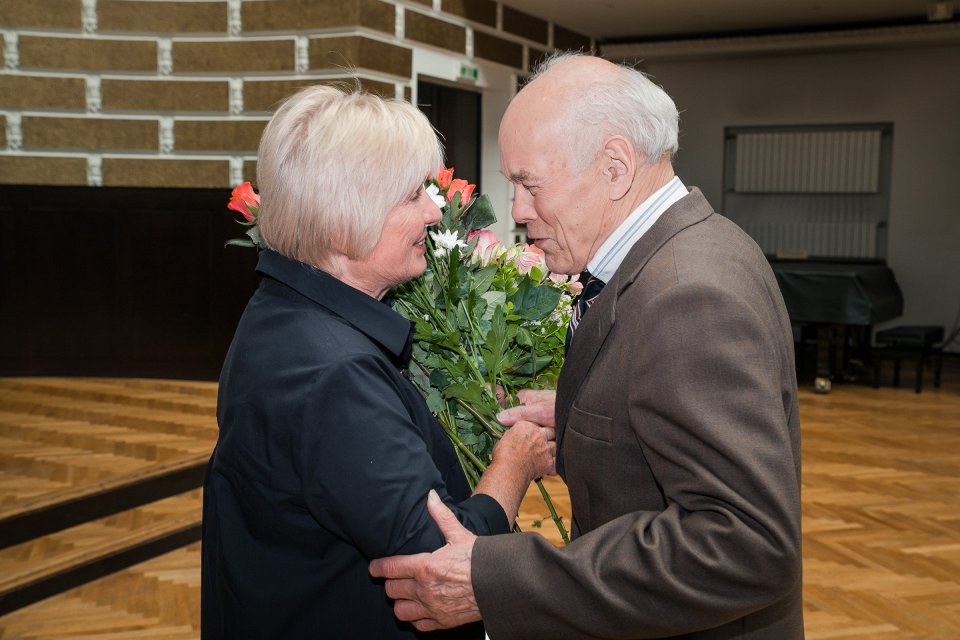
{"type": "Point", "coordinates": [533, 301]}
{"type": "Point", "coordinates": [439, 379]}
{"type": "Point", "coordinates": [238, 242]}
{"type": "Point", "coordinates": [435, 401]}
{"type": "Point", "coordinates": [524, 337]}
{"type": "Point", "coordinates": [483, 278]}
{"type": "Point", "coordinates": [480, 214]}
{"type": "Point", "coordinates": [496, 346]}
{"type": "Point", "coordinates": [535, 364]}
{"type": "Point", "coordinates": [463, 318]}
{"type": "Point", "coordinates": [495, 300]}
{"type": "Point", "coordinates": [471, 392]}
{"type": "Point", "coordinates": [255, 237]}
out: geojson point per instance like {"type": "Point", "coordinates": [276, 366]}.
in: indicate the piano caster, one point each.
{"type": "Point", "coordinates": [822, 384]}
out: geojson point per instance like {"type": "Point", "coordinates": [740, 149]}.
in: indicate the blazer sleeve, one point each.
{"type": "Point", "coordinates": [366, 469]}
{"type": "Point", "coordinates": [707, 408]}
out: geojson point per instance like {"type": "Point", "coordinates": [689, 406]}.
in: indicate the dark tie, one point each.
{"type": "Point", "coordinates": [591, 289]}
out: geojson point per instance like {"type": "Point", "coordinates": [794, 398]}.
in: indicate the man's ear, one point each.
{"type": "Point", "coordinates": [619, 166]}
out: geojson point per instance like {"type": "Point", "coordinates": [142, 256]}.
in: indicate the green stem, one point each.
{"type": "Point", "coordinates": [553, 512]}
{"type": "Point", "coordinates": [493, 431]}
{"type": "Point", "coordinates": [452, 434]}
{"type": "Point", "coordinates": [472, 478]}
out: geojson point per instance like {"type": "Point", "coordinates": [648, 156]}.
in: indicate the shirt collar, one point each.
{"type": "Point", "coordinates": [615, 248]}
{"type": "Point", "coordinates": [373, 318]}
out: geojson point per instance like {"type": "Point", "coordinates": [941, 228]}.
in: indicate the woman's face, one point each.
{"type": "Point", "coordinates": [399, 254]}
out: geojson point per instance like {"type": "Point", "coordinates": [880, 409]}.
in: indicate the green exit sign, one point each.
{"type": "Point", "coordinates": [469, 72]}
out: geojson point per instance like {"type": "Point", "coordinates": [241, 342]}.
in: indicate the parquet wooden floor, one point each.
{"type": "Point", "coordinates": [157, 599]}
{"type": "Point", "coordinates": [881, 508]}
{"type": "Point", "coordinates": [78, 434]}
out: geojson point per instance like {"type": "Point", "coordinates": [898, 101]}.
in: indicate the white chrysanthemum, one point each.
{"type": "Point", "coordinates": [434, 192]}
{"type": "Point", "coordinates": [445, 241]}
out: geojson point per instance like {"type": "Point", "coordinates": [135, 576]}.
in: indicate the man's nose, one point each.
{"type": "Point", "coordinates": [522, 211]}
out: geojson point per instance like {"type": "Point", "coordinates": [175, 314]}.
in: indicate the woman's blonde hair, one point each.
{"type": "Point", "coordinates": [332, 163]}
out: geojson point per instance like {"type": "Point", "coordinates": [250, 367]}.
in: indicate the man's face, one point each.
{"type": "Point", "coordinates": [560, 209]}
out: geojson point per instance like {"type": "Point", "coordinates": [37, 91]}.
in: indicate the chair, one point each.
{"type": "Point", "coordinates": [909, 343]}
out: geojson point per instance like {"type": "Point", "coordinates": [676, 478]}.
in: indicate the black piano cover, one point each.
{"type": "Point", "coordinates": [838, 292]}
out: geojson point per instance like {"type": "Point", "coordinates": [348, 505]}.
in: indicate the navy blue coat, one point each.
{"type": "Point", "coordinates": [324, 460]}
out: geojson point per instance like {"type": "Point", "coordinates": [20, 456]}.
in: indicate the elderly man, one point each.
{"type": "Point", "coordinates": [676, 413]}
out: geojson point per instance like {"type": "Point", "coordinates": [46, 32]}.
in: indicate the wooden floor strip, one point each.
{"type": "Point", "coordinates": [33, 570]}
{"type": "Point", "coordinates": [73, 449]}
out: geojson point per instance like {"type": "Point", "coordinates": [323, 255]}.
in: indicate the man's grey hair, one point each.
{"type": "Point", "coordinates": [630, 105]}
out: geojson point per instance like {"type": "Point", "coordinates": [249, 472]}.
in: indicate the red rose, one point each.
{"type": "Point", "coordinates": [444, 176]}
{"type": "Point", "coordinates": [245, 200]}
{"type": "Point", "coordinates": [465, 190]}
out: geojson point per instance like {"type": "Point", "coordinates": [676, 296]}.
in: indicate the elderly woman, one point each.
{"type": "Point", "coordinates": [326, 452]}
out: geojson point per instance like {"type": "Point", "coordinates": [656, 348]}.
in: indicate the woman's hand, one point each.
{"type": "Point", "coordinates": [530, 448]}
{"type": "Point", "coordinates": [526, 452]}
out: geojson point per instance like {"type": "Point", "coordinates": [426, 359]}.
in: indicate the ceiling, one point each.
{"type": "Point", "coordinates": [638, 20]}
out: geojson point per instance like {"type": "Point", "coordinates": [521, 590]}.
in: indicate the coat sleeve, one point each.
{"type": "Point", "coordinates": [366, 468]}
{"type": "Point", "coordinates": [713, 429]}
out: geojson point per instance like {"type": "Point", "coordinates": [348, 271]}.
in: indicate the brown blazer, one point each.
{"type": "Point", "coordinates": [679, 440]}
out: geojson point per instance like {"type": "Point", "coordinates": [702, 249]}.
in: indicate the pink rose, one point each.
{"type": "Point", "coordinates": [531, 257]}
{"type": "Point", "coordinates": [245, 200]}
{"type": "Point", "coordinates": [487, 245]}
{"type": "Point", "coordinates": [574, 286]}
{"type": "Point", "coordinates": [465, 190]}
{"type": "Point", "coordinates": [444, 176]}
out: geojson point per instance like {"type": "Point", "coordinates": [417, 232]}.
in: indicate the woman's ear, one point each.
{"type": "Point", "coordinates": [619, 166]}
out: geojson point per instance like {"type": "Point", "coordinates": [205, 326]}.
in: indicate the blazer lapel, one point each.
{"type": "Point", "coordinates": [596, 325]}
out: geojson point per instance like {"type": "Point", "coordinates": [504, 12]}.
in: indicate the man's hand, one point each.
{"type": "Point", "coordinates": [538, 407]}
{"type": "Point", "coordinates": [433, 590]}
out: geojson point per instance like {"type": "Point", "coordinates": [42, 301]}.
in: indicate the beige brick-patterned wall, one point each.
{"type": "Point", "coordinates": [176, 93]}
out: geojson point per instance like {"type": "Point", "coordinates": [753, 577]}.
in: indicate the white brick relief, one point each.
{"type": "Point", "coordinates": [94, 98]}
{"type": "Point", "coordinates": [398, 26]}
{"type": "Point", "coordinates": [95, 171]}
{"type": "Point", "coordinates": [236, 171]}
{"type": "Point", "coordinates": [166, 135]}
{"type": "Point", "coordinates": [234, 17]}
{"type": "Point", "coordinates": [302, 63]}
{"type": "Point", "coordinates": [14, 131]}
{"type": "Point", "coordinates": [89, 13]}
{"type": "Point", "coordinates": [11, 50]}
{"type": "Point", "coordinates": [165, 56]}
{"type": "Point", "coordinates": [236, 96]}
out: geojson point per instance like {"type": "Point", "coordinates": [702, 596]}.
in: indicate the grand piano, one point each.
{"type": "Point", "coordinates": [833, 304]}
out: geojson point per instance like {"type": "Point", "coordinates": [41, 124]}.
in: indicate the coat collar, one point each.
{"type": "Point", "coordinates": [370, 316]}
{"type": "Point", "coordinates": [597, 324]}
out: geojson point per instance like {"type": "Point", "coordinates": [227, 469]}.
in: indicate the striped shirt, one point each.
{"type": "Point", "coordinates": [615, 248]}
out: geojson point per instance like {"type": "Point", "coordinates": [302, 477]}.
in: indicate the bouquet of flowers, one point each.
{"type": "Point", "coordinates": [488, 319]}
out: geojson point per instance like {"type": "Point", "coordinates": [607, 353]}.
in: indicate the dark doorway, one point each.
{"type": "Point", "coordinates": [455, 114]}
{"type": "Point", "coordinates": [110, 281]}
